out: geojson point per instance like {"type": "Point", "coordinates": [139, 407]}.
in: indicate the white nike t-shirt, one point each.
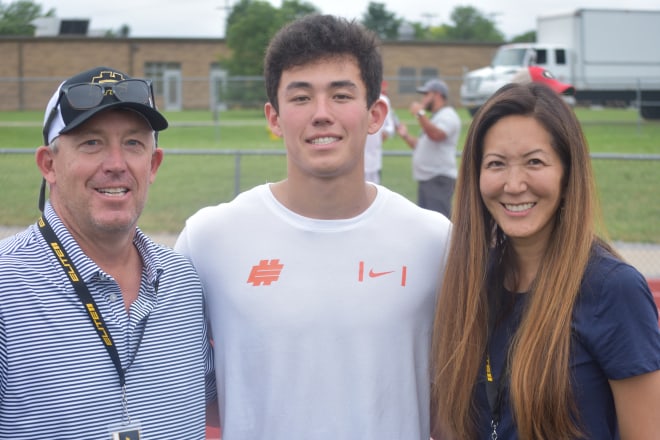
{"type": "Point", "coordinates": [322, 327]}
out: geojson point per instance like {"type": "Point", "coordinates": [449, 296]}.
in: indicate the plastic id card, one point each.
{"type": "Point", "coordinates": [129, 431]}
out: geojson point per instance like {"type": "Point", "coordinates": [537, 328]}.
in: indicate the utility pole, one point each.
{"type": "Point", "coordinates": [429, 17]}
{"type": "Point", "coordinates": [226, 9]}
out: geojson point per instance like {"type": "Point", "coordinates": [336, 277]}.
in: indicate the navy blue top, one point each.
{"type": "Point", "coordinates": [615, 336]}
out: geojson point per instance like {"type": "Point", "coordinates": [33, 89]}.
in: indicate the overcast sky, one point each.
{"type": "Point", "coordinates": [205, 18]}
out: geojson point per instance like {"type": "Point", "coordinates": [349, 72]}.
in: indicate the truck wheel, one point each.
{"type": "Point", "coordinates": [650, 112]}
{"type": "Point", "coordinates": [473, 110]}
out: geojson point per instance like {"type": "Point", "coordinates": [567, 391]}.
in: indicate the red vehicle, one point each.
{"type": "Point", "coordinates": [542, 75]}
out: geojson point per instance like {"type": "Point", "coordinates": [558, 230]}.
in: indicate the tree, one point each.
{"type": "Point", "coordinates": [527, 37]}
{"type": "Point", "coordinates": [250, 26]}
{"type": "Point", "coordinates": [124, 31]}
{"type": "Point", "coordinates": [384, 23]}
{"type": "Point", "coordinates": [426, 32]}
{"type": "Point", "coordinates": [16, 18]}
{"type": "Point", "coordinates": [294, 9]}
{"type": "Point", "coordinates": [472, 25]}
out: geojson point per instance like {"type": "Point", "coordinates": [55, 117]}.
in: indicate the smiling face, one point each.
{"type": "Point", "coordinates": [324, 119]}
{"type": "Point", "coordinates": [99, 173]}
{"type": "Point", "coordinates": [521, 179]}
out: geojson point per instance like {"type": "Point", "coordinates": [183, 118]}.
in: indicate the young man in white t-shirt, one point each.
{"type": "Point", "coordinates": [321, 287]}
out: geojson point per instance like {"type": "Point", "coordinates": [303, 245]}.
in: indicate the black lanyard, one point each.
{"type": "Point", "coordinates": [494, 393]}
{"type": "Point", "coordinates": [83, 293]}
{"type": "Point", "coordinates": [495, 388]}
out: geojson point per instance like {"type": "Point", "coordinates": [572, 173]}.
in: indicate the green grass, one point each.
{"type": "Point", "coordinates": [628, 189]}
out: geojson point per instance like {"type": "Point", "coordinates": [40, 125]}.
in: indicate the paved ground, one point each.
{"type": "Point", "coordinates": [645, 257]}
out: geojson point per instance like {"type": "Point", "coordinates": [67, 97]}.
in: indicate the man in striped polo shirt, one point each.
{"type": "Point", "coordinates": [102, 331]}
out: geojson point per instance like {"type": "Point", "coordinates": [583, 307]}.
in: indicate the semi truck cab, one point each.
{"type": "Point", "coordinates": [478, 85]}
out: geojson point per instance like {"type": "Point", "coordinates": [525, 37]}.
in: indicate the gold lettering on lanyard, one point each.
{"type": "Point", "coordinates": [99, 325]}
{"type": "Point", "coordinates": [64, 262]}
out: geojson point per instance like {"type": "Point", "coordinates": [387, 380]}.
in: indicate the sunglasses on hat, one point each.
{"type": "Point", "coordinates": [90, 95]}
{"type": "Point", "coordinates": [86, 96]}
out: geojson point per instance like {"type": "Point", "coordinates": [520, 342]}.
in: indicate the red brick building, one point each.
{"type": "Point", "coordinates": [186, 72]}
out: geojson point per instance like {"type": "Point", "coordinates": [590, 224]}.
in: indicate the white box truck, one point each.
{"type": "Point", "coordinates": [610, 56]}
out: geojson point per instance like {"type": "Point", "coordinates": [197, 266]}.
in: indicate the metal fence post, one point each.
{"type": "Point", "coordinates": [237, 172]}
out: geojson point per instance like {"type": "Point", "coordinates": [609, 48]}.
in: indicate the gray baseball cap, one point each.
{"type": "Point", "coordinates": [434, 85]}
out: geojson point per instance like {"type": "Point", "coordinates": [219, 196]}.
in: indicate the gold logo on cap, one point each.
{"type": "Point", "coordinates": [107, 76]}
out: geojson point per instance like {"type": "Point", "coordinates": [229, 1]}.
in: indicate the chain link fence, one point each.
{"type": "Point", "coordinates": [245, 169]}
{"type": "Point", "coordinates": [219, 92]}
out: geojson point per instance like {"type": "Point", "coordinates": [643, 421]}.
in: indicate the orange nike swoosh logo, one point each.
{"type": "Point", "coordinates": [373, 274]}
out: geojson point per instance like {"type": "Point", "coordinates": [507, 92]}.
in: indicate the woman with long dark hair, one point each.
{"type": "Point", "coordinates": [541, 330]}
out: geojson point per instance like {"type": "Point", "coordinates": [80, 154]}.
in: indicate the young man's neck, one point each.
{"type": "Point", "coordinates": [325, 200]}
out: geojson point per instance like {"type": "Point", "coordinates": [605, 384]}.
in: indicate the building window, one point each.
{"type": "Point", "coordinates": [428, 73]}
{"type": "Point", "coordinates": [407, 80]}
{"type": "Point", "coordinates": [155, 72]}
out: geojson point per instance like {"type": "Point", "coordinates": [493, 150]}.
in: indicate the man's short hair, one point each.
{"type": "Point", "coordinates": [315, 37]}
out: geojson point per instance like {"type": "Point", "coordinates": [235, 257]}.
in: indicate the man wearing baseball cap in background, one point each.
{"type": "Point", "coordinates": [102, 331]}
{"type": "Point", "coordinates": [434, 152]}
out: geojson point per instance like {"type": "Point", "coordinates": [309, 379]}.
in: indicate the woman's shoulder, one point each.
{"type": "Point", "coordinates": [607, 271]}
{"type": "Point", "coordinates": [614, 291]}
{"type": "Point", "coordinates": [615, 317]}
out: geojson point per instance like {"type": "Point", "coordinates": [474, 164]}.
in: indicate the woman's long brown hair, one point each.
{"type": "Point", "coordinates": [540, 388]}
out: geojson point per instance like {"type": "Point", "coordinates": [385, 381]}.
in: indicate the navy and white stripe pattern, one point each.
{"type": "Point", "coordinates": [56, 377]}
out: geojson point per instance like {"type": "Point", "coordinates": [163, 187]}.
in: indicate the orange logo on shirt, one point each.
{"type": "Point", "coordinates": [265, 273]}
{"type": "Point", "coordinates": [374, 274]}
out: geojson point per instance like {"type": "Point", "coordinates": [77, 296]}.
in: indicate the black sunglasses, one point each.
{"type": "Point", "coordinates": [86, 96]}
{"type": "Point", "coordinates": [90, 95]}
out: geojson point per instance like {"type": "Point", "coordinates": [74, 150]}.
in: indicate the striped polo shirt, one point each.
{"type": "Point", "coordinates": [56, 378]}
